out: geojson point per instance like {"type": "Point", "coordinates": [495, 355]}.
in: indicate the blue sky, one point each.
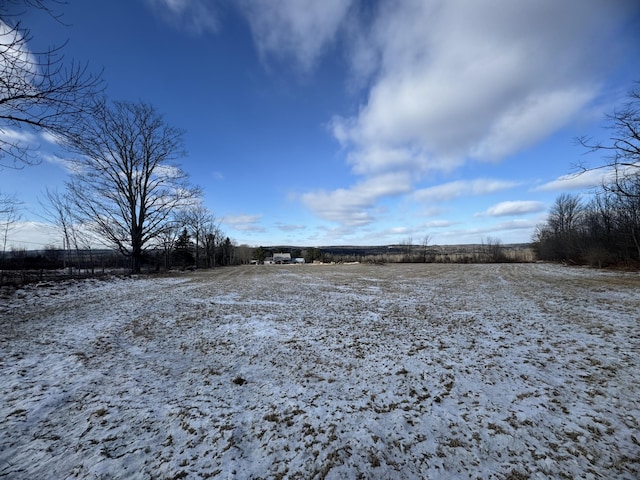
{"type": "Point", "coordinates": [344, 122]}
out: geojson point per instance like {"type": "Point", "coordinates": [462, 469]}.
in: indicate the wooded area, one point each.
{"type": "Point", "coordinates": [605, 229]}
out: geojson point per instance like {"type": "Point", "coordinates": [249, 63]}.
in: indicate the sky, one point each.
{"type": "Point", "coordinates": [353, 122]}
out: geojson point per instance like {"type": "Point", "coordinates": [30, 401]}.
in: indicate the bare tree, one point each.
{"type": "Point", "coordinates": [425, 247]}
{"type": "Point", "coordinates": [407, 249]}
{"type": "Point", "coordinates": [603, 232]}
{"type": "Point", "coordinates": [565, 214]}
{"type": "Point", "coordinates": [628, 210]}
{"type": "Point", "coordinates": [127, 182]}
{"type": "Point", "coordinates": [59, 209]}
{"type": "Point", "coordinates": [39, 91]}
{"type": "Point", "coordinates": [166, 240]}
{"type": "Point", "coordinates": [244, 253]}
{"type": "Point", "coordinates": [9, 216]}
{"type": "Point", "coordinates": [622, 150]}
{"type": "Point", "coordinates": [493, 250]}
{"type": "Point", "coordinates": [198, 218]}
{"type": "Point", "coordinates": [560, 238]}
{"type": "Point", "coordinates": [213, 236]}
{"type": "Point", "coordinates": [228, 252]}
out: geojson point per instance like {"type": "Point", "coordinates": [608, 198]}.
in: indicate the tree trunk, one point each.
{"type": "Point", "coordinates": [135, 262]}
{"type": "Point", "coordinates": [136, 253]}
{"type": "Point", "coordinates": [197, 252]}
{"type": "Point", "coordinates": [636, 240]}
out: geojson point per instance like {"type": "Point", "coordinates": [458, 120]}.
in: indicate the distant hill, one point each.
{"type": "Point", "coordinates": [411, 253]}
{"type": "Point", "coordinates": [395, 248]}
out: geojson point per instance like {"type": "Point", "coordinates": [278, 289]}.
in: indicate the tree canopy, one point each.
{"type": "Point", "coordinates": [127, 181]}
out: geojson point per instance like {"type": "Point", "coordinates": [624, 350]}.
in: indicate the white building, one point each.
{"type": "Point", "coordinates": [281, 258]}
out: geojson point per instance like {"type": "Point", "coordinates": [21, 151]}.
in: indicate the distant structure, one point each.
{"type": "Point", "coordinates": [281, 258]}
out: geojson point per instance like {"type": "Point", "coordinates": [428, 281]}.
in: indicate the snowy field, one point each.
{"type": "Point", "coordinates": [345, 371]}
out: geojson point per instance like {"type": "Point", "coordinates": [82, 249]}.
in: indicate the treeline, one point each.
{"type": "Point", "coordinates": [603, 232]}
{"type": "Point", "coordinates": [183, 254]}
{"type": "Point", "coordinates": [18, 266]}
{"type": "Point", "coordinates": [208, 250]}
{"type": "Point", "coordinates": [491, 250]}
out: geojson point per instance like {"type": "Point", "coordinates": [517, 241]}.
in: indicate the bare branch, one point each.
{"type": "Point", "coordinates": [9, 215]}
{"type": "Point", "coordinates": [39, 91]}
{"type": "Point", "coordinates": [622, 150]}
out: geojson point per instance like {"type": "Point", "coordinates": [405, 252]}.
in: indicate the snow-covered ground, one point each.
{"type": "Point", "coordinates": [345, 371]}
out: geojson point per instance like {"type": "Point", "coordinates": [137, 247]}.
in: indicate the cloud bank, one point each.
{"type": "Point", "coordinates": [448, 83]}
{"type": "Point", "coordinates": [443, 84]}
{"type": "Point", "coordinates": [512, 208]}
{"type": "Point", "coordinates": [460, 188]}
{"type": "Point", "coordinates": [246, 223]}
{"type": "Point", "coordinates": [353, 207]}
{"type": "Point", "coordinates": [456, 81]}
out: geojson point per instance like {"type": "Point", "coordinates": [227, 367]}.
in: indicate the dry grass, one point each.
{"type": "Point", "coordinates": [354, 371]}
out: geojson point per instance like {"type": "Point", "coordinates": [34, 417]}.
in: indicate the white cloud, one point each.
{"type": "Point", "coordinates": [589, 179]}
{"type": "Point", "coordinates": [449, 82]}
{"type": "Point", "coordinates": [459, 188]}
{"type": "Point", "coordinates": [245, 223]}
{"type": "Point", "coordinates": [239, 219]}
{"type": "Point", "coordinates": [432, 211]}
{"type": "Point", "coordinates": [519, 230]}
{"type": "Point", "coordinates": [532, 120]}
{"type": "Point", "coordinates": [17, 137]}
{"type": "Point", "coordinates": [578, 181]}
{"type": "Point", "coordinates": [195, 16]}
{"type": "Point", "coordinates": [32, 235]}
{"type": "Point", "coordinates": [440, 224]}
{"type": "Point", "coordinates": [290, 228]}
{"type": "Point", "coordinates": [49, 138]}
{"type": "Point", "coordinates": [517, 224]}
{"type": "Point", "coordinates": [520, 207]}
{"type": "Point", "coordinates": [22, 66]}
{"type": "Point", "coordinates": [68, 165]}
{"type": "Point", "coordinates": [399, 231]}
{"type": "Point", "coordinates": [378, 158]}
{"type": "Point", "coordinates": [454, 80]}
{"type": "Point", "coordinates": [168, 171]}
{"type": "Point", "coordinates": [298, 29]}
{"type": "Point", "coordinates": [353, 207]}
